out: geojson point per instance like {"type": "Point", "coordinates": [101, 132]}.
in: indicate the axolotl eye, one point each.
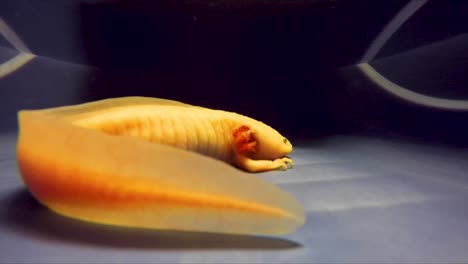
{"type": "Point", "coordinates": [285, 140]}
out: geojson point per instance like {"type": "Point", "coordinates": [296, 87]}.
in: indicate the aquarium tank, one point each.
{"type": "Point", "coordinates": [337, 131]}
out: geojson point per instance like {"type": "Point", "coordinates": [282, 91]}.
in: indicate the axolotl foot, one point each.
{"type": "Point", "coordinates": [251, 165]}
{"type": "Point", "coordinates": [283, 163]}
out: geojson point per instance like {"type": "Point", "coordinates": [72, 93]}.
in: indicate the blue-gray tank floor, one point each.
{"type": "Point", "coordinates": [367, 199]}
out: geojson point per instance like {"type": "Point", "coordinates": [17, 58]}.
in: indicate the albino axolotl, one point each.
{"type": "Point", "coordinates": [159, 164]}
{"type": "Point", "coordinates": [236, 139]}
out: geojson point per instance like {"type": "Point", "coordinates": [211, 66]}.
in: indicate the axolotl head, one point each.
{"type": "Point", "coordinates": [269, 143]}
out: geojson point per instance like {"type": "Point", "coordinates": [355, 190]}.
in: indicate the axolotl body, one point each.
{"type": "Point", "coordinates": [234, 138]}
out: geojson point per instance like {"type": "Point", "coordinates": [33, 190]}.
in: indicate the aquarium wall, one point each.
{"type": "Point", "coordinates": [311, 68]}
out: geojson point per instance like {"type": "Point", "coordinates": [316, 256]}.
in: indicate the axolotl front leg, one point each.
{"type": "Point", "coordinates": [245, 144]}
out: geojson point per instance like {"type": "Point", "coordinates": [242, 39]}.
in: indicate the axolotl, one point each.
{"type": "Point", "coordinates": [159, 164]}
{"type": "Point", "coordinates": [233, 138]}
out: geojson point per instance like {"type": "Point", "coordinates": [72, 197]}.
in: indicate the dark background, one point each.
{"type": "Point", "coordinates": [287, 63]}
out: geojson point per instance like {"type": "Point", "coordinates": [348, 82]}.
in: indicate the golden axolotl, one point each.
{"type": "Point", "coordinates": [135, 162]}
{"type": "Point", "coordinates": [236, 139]}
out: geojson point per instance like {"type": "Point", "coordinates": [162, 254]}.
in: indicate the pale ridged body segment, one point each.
{"type": "Point", "coordinates": [223, 133]}
{"type": "Point", "coordinates": [206, 132]}
{"type": "Point", "coordinates": [191, 130]}
{"type": "Point", "coordinates": [207, 136]}
{"type": "Point", "coordinates": [189, 137]}
{"type": "Point", "coordinates": [176, 131]}
{"type": "Point", "coordinates": [211, 137]}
